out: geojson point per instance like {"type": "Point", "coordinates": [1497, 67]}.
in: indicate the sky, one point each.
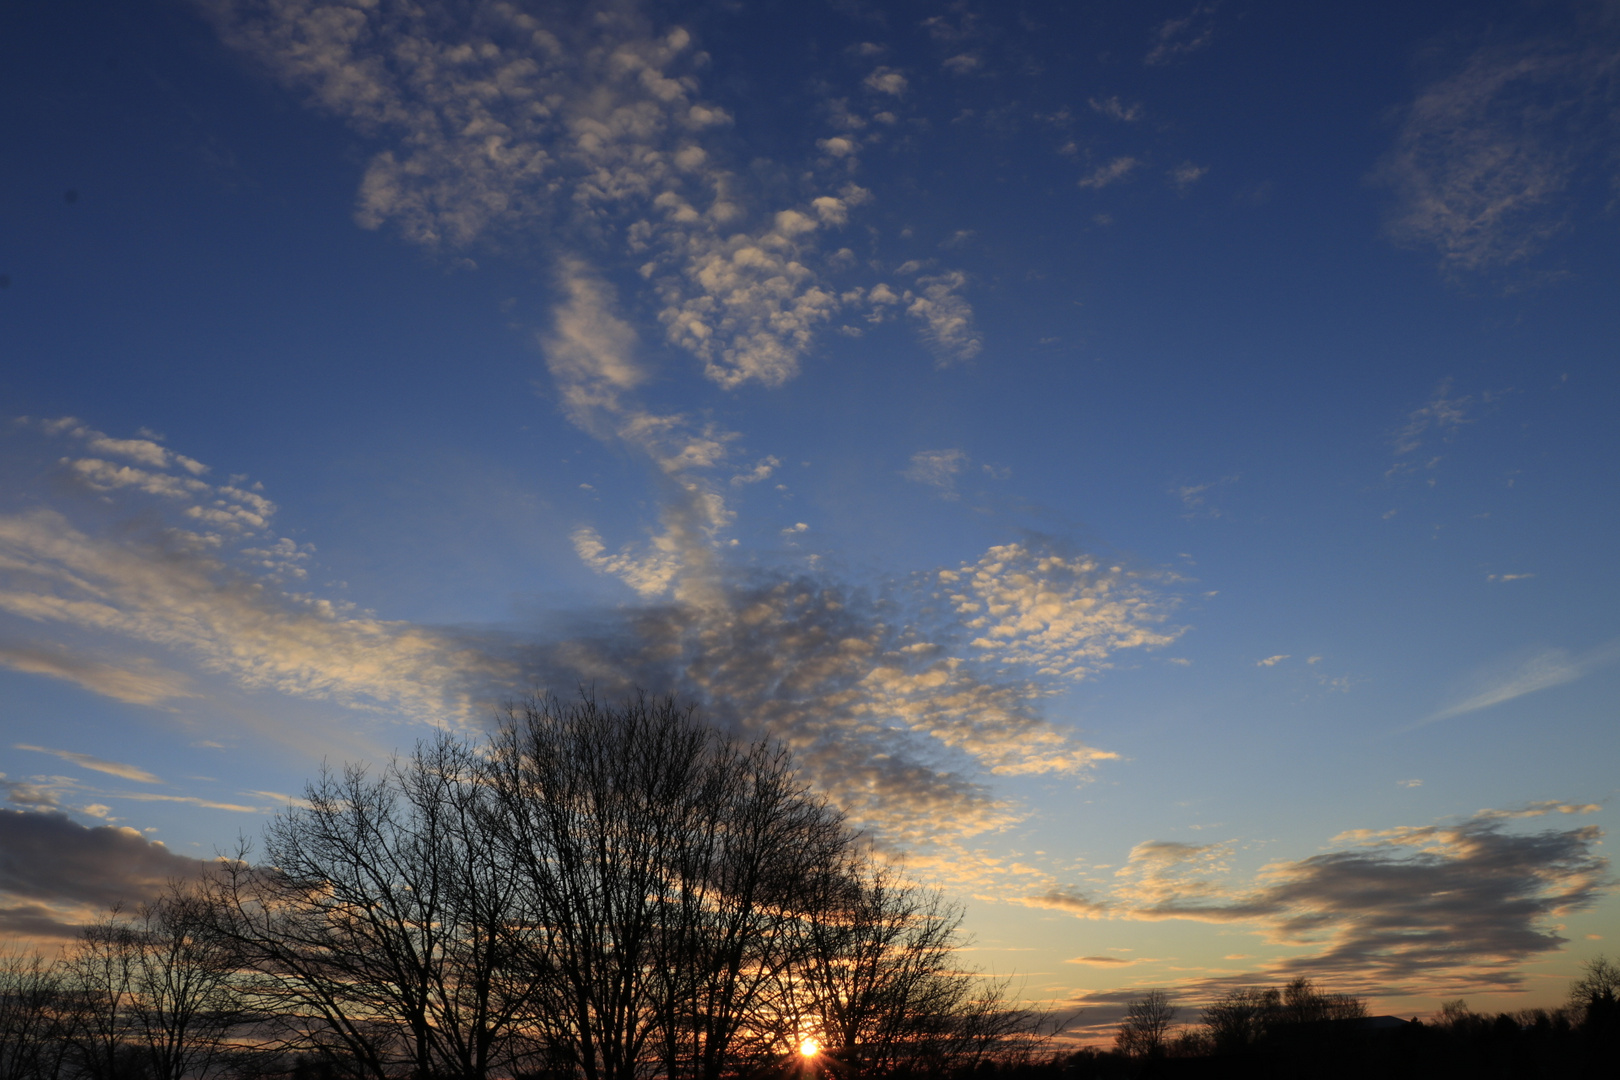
{"type": "Point", "coordinates": [1152, 462]}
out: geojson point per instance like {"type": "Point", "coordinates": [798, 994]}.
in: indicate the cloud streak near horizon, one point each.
{"type": "Point", "coordinates": [1430, 909]}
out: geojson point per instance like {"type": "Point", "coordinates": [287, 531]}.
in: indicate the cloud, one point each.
{"type": "Point", "coordinates": [138, 681]}
{"type": "Point", "coordinates": [1065, 900]}
{"type": "Point", "coordinates": [591, 135]}
{"type": "Point", "coordinates": [1271, 661]}
{"type": "Point", "coordinates": [1182, 35]}
{"type": "Point", "coordinates": [588, 131]}
{"type": "Point", "coordinates": [1115, 109]}
{"type": "Point", "coordinates": [762, 470]}
{"type": "Point", "coordinates": [188, 800]}
{"type": "Point", "coordinates": [217, 597]}
{"type": "Point", "coordinates": [1418, 909]}
{"type": "Point", "coordinates": [1488, 162]}
{"type": "Point", "coordinates": [1185, 175]}
{"type": "Point", "coordinates": [896, 713]}
{"type": "Point", "coordinates": [1546, 669]}
{"type": "Point", "coordinates": [937, 469]}
{"type": "Point", "coordinates": [166, 592]}
{"type": "Point", "coordinates": [1442, 415]}
{"type": "Point", "coordinates": [886, 80]}
{"type": "Point", "coordinates": [946, 317]}
{"type": "Point", "coordinates": [113, 768]}
{"type": "Point", "coordinates": [1109, 961]}
{"type": "Point", "coordinates": [56, 872]}
{"type": "Point", "coordinates": [1195, 497]}
{"type": "Point", "coordinates": [1062, 615]}
{"type": "Point", "coordinates": [1111, 173]}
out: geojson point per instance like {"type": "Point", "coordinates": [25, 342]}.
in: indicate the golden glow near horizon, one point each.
{"type": "Point", "coordinates": [809, 1047]}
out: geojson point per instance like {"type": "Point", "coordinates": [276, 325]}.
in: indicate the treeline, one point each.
{"type": "Point", "coordinates": [1298, 1032]}
{"type": "Point", "coordinates": [593, 893]}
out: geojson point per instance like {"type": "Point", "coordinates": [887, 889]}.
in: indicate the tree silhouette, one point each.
{"type": "Point", "coordinates": [1146, 1026]}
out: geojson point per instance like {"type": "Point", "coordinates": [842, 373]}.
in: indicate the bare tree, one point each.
{"type": "Point", "coordinates": [186, 1002]}
{"type": "Point", "coordinates": [31, 1042]}
{"type": "Point", "coordinates": [150, 995]}
{"type": "Point", "coordinates": [1237, 1019]}
{"type": "Point", "coordinates": [1595, 996]}
{"type": "Point", "coordinates": [664, 870]}
{"type": "Point", "coordinates": [378, 928]}
{"type": "Point", "coordinates": [1146, 1027]}
{"type": "Point", "coordinates": [1303, 1003]}
{"type": "Point", "coordinates": [99, 983]}
{"type": "Point", "coordinates": [881, 985]}
{"type": "Point", "coordinates": [1242, 1018]}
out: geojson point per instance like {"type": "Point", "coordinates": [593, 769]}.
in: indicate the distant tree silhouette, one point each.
{"type": "Point", "coordinates": [1146, 1027]}
{"type": "Point", "coordinates": [32, 1046]}
{"type": "Point", "coordinates": [1595, 996]}
{"type": "Point", "coordinates": [149, 996]}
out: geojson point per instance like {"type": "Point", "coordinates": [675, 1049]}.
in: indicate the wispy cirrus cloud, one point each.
{"type": "Point", "coordinates": [1113, 172]}
{"type": "Point", "coordinates": [1181, 35]}
{"type": "Point", "coordinates": [112, 768]}
{"type": "Point", "coordinates": [136, 680]}
{"type": "Point", "coordinates": [205, 579]}
{"type": "Point", "coordinates": [937, 469]}
{"type": "Point", "coordinates": [1488, 162]}
{"type": "Point", "coordinates": [1541, 671]}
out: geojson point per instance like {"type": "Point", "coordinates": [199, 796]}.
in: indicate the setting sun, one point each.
{"type": "Point", "coordinates": [809, 1047]}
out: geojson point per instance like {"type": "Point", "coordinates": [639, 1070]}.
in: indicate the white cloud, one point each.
{"type": "Point", "coordinates": [937, 469]}
{"type": "Point", "coordinates": [166, 592]}
{"type": "Point", "coordinates": [1549, 668]}
{"type": "Point", "coordinates": [1442, 414]}
{"type": "Point", "coordinates": [650, 574]}
{"type": "Point", "coordinates": [763, 469]}
{"type": "Point", "coordinates": [1195, 498]}
{"type": "Point", "coordinates": [1111, 173]}
{"type": "Point", "coordinates": [1271, 661]}
{"type": "Point", "coordinates": [138, 681]}
{"type": "Point", "coordinates": [886, 80]}
{"type": "Point", "coordinates": [1486, 158]}
{"type": "Point", "coordinates": [1185, 175]}
{"type": "Point", "coordinates": [1063, 615]}
{"type": "Point", "coordinates": [114, 768]}
{"type": "Point", "coordinates": [1182, 35]}
{"type": "Point", "coordinates": [947, 318]}
{"type": "Point", "coordinates": [1115, 109]}
{"type": "Point", "coordinates": [497, 125]}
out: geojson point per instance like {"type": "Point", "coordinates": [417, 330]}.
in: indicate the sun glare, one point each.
{"type": "Point", "coordinates": [809, 1047]}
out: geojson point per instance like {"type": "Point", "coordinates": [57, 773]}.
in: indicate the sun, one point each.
{"type": "Point", "coordinates": [809, 1048]}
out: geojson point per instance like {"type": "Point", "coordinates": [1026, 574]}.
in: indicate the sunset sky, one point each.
{"type": "Point", "coordinates": [1154, 462]}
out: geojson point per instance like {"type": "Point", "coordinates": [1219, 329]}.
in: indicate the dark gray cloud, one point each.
{"type": "Point", "coordinates": [49, 862]}
{"type": "Point", "coordinates": [1439, 908]}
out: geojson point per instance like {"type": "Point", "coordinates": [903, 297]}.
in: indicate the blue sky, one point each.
{"type": "Point", "coordinates": [1154, 462]}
